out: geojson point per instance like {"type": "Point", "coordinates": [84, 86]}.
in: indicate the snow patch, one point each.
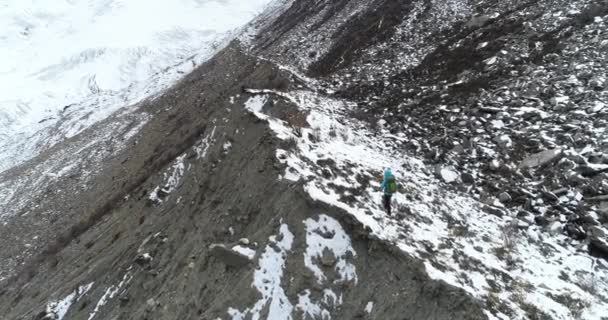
{"type": "Point", "coordinates": [267, 280]}
{"type": "Point", "coordinates": [248, 252]}
{"type": "Point", "coordinates": [60, 308]}
{"type": "Point", "coordinates": [110, 293]}
{"type": "Point", "coordinates": [327, 234]}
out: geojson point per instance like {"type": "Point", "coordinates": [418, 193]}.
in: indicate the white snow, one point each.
{"type": "Point", "coordinates": [202, 147]}
{"type": "Point", "coordinates": [543, 263]}
{"type": "Point", "coordinates": [227, 146]}
{"type": "Point", "coordinates": [248, 252]}
{"type": "Point", "coordinates": [255, 104]}
{"type": "Point", "coordinates": [267, 280]}
{"type": "Point", "coordinates": [74, 63]}
{"type": "Point", "coordinates": [310, 309]}
{"type": "Point", "coordinates": [110, 293]}
{"type": "Point", "coordinates": [171, 179]}
{"type": "Point", "coordinates": [490, 61]}
{"type": "Point", "coordinates": [369, 307]}
{"type": "Point", "coordinates": [60, 308]}
{"type": "Point", "coordinates": [327, 233]}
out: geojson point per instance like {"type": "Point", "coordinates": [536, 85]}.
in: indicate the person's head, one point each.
{"type": "Point", "coordinates": [387, 172]}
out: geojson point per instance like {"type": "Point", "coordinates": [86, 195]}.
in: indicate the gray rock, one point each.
{"type": "Point", "coordinates": [504, 197]}
{"type": "Point", "coordinates": [560, 191]}
{"type": "Point", "coordinates": [589, 220]}
{"type": "Point", "coordinates": [598, 247]}
{"type": "Point", "coordinates": [550, 196]}
{"type": "Point", "coordinates": [228, 257]}
{"type": "Point", "coordinates": [540, 159]}
{"type": "Point", "coordinates": [591, 170]}
{"type": "Point", "coordinates": [541, 220]}
{"type": "Point", "coordinates": [503, 141]}
{"type": "Point", "coordinates": [598, 198]}
{"type": "Point", "coordinates": [151, 302]}
{"type": "Point", "coordinates": [328, 258]}
{"type": "Point", "coordinates": [494, 210]}
{"type": "Point", "coordinates": [596, 232]}
{"type": "Point", "coordinates": [478, 21]}
{"type": "Point", "coordinates": [467, 178]}
{"type": "Point", "coordinates": [575, 231]}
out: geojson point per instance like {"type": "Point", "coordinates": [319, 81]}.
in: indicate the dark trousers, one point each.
{"type": "Point", "coordinates": [386, 200]}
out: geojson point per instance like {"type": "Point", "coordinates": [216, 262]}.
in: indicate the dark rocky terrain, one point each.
{"type": "Point", "coordinates": [492, 113]}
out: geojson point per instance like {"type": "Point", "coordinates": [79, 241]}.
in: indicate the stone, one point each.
{"type": "Point", "coordinates": [328, 258]}
{"type": "Point", "coordinates": [589, 170]}
{"type": "Point", "coordinates": [540, 159]}
{"type": "Point", "coordinates": [598, 247]}
{"type": "Point", "coordinates": [589, 220]}
{"type": "Point", "coordinates": [598, 198]}
{"type": "Point", "coordinates": [228, 257]}
{"type": "Point", "coordinates": [478, 21]}
{"type": "Point", "coordinates": [550, 196]}
{"type": "Point", "coordinates": [596, 232]}
{"type": "Point", "coordinates": [494, 164]}
{"type": "Point", "coordinates": [493, 210]}
{"type": "Point", "coordinates": [575, 231]}
{"type": "Point", "coordinates": [555, 227]}
{"type": "Point", "coordinates": [504, 197]}
{"type": "Point", "coordinates": [447, 174]}
{"type": "Point", "coordinates": [560, 191]}
{"type": "Point", "coordinates": [458, 149]}
{"type": "Point", "coordinates": [467, 178]}
{"type": "Point", "coordinates": [143, 259]}
{"type": "Point", "coordinates": [244, 241]}
{"type": "Point", "coordinates": [576, 158]}
{"type": "Point", "coordinates": [541, 220]}
{"type": "Point", "coordinates": [151, 302]}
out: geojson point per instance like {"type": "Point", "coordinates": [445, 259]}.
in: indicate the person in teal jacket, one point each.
{"type": "Point", "coordinates": [389, 186]}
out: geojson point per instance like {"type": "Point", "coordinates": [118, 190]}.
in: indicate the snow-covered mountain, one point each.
{"type": "Point", "coordinates": [249, 189]}
{"type": "Point", "coordinates": [65, 65]}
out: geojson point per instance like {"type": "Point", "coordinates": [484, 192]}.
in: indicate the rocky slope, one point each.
{"type": "Point", "coordinates": [250, 189]}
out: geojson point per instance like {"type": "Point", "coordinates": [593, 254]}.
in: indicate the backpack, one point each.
{"type": "Point", "coordinates": [391, 185]}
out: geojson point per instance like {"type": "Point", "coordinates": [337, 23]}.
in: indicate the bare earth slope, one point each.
{"type": "Point", "coordinates": [251, 190]}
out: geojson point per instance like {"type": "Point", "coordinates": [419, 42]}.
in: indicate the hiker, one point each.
{"type": "Point", "coordinates": [389, 186]}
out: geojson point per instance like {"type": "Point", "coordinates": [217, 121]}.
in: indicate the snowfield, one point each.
{"type": "Point", "coordinates": [501, 260]}
{"type": "Point", "coordinates": [71, 64]}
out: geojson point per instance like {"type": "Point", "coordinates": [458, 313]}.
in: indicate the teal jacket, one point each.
{"type": "Point", "coordinates": [384, 184]}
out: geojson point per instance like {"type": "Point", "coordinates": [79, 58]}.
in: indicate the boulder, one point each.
{"type": "Point", "coordinates": [503, 141]}
{"type": "Point", "coordinates": [541, 220]}
{"type": "Point", "coordinates": [328, 258]}
{"type": "Point", "coordinates": [540, 159]}
{"type": "Point", "coordinates": [589, 220]}
{"type": "Point", "coordinates": [228, 257]}
{"type": "Point", "coordinates": [467, 178]}
{"type": "Point", "coordinates": [550, 196]}
{"type": "Point", "coordinates": [598, 247]}
{"type": "Point", "coordinates": [495, 165]}
{"type": "Point", "coordinates": [447, 174]}
{"type": "Point", "coordinates": [596, 232]}
{"type": "Point", "coordinates": [560, 191]}
{"type": "Point", "coordinates": [494, 210]}
{"type": "Point", "coordinates": [575, 231]}
{"type": "Point", "coordinates": [504, 197]}
{"type": "Point", "coordinates": [590, 170]}
{"type": "Point", "coordinates": [555, 228]}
